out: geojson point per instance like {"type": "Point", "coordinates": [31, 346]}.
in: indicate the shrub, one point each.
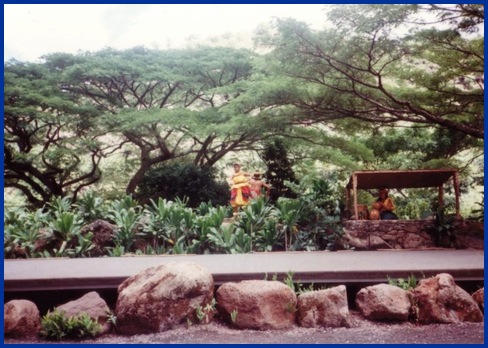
{"type": "Point", "coordinates": [180, 180]}
{"type": "Point", "coordinates": [57, 326]}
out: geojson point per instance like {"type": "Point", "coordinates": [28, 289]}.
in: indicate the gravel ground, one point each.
{"type": "Point", "coordinates": [361, 331]}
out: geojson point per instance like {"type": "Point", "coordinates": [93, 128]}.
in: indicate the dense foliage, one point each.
{"type": "Point", "coordinates": [309, 222]}
{"type": "Point", "coordinates": [383, 87]}
{"type": "Point", "coordinates": [183, 180]}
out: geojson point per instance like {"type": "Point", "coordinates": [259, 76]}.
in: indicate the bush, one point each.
{"type": "Point", "coordinates": [183, 181]}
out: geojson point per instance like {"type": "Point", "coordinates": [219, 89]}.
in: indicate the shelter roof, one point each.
{"type": "Point", "coordinates": [373, 179]}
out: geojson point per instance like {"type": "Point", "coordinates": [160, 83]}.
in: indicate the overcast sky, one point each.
{"type": "Point", "coordinates": [33, 30]}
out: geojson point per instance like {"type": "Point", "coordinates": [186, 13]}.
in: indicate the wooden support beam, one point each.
{"type": "Point", "coordinates": [355, 195]}
{"type": "Point", "coordinates": [455, 179]}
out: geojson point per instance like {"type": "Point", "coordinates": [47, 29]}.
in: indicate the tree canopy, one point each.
{"type": "Point", "coordinates": [387, 86]}
{"type": "Point", "coordinates": [366, 69]}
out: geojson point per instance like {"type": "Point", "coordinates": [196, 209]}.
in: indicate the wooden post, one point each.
{"type": "Point", "coordinates": [441, 197]}
{"type": "Point", "coordinates": [456, 190]}
{"type": "Point", "coordinates": [355, 194]}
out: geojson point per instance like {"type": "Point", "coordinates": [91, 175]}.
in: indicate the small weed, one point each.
{"type": "Point", "coordinates": [203, 313]}
{"type": "Point", "coordinates": [291, 307]}
{"type": "Point", "coordinates": [273, 278]}
{"type": "Point", "coordinates": [405, 284]}
{"type": "Point", "coordinates": [302, 289]}
{"type": "Point", "coordinates": [289, 280]}
{"type": "Point", "coordinates": [111, 318]}
{"type": "Point", "coordinates": [233, 316]}
{"type": "Point", "coordinates": [200, 313]}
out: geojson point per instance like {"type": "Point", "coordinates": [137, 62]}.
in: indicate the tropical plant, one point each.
{"type": "Point", "coordinates": [91, 207]}
{"type": "Point", "coordinates": [59, 205]}
{"type": "Point", "coordinates": [443, 232]}
{"type": "Point", "coordinates": [206, 226]}
{"type": "Point", "coordinates": [22, 231]}
{"type": "Point", "coordinates": [116, 251]}
{"type": "Point", "coordinates": [271, 237]}
{"type": "Point", "coordinates": [57, 326]}
{"type": "Point", "coordinates": [288, 213]}
{"type": "Point", "coordinates": [83, 246]}
{"type": "Point", "coordinates": [252, 218]}
{"type": "Point", "coordinates": [228, 240]}
{"type": "Point", "coordinates": [66, 225]}
{"type": "Point", "coordinates": [127, 202]}
{"type": "Point", "coordinates": [126, 221]}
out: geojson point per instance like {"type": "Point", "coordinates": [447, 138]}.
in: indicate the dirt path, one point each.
{"type": "Point", "coordinates": [362, 331]}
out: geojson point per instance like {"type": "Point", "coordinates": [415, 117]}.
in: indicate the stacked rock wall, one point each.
{"type": "Point", "coordinates": [388, 234]}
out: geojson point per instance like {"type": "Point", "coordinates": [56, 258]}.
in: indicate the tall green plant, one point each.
{"type": "Point", "coordinates": [126, 231]}
{"type": "Point", "coordinates": [91, 207]}
{"type": "Point", "coordinates": [229, 240]}
{"type": "Point", "coordinates": [288, 213]}
{"type": "Point", "coordinates": [66, 225]}
{"type": "Point", "coordinates": [169, 223]}
{"type": "Point", "coordinates": [270, 238]}
{"type": "Point", "coordinates": [252, 218]}
{"type": "Point", "coordinates": [204, 227]}
{"type": "Point", "coordinates": [59, 205]}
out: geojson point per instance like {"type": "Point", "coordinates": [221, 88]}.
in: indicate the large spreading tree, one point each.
{"type": "Point", "coordinates": [368, 68]}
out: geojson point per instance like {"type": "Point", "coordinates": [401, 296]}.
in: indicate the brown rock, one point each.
{"type": "Point", "coordinates": [163, 296]}
{"type": "Point", "coordinates": [324, 308]}
{"type": "Point", "coordinates": [383, 302]}
{"type": "Point", "coordinates": [21, 318]}
{"type": "Point", "coordinates": [440, 300]}
{"type": "Point", "coordinates": [479, 297]}
{"type": "Point", "coordinates": [259, 304]}
{"type": "Point", "coordinates": [370, 242]}
{"type": "Point", "coordinates": [103, 234]}
{"type": "Point", "coordinates": [412, 241]}
{"type": "Point", "coordinates": [92, 305]}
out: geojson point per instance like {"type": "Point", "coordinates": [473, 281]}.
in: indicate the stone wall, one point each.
{"type": "Point", "coordinates": [388, 234]}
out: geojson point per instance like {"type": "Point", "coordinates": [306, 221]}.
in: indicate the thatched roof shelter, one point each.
{"type": "Point", "coordinates": [399, 179]}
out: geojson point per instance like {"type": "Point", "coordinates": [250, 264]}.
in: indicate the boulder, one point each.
{"type": "Point", "coordinates": [384, 302]}
{"type": "Point", "coordinates": [21, 319]}
{"type": "Point", "coordinates": [92, 305]}
{"type": "Point", "coordinates": [162, 297]}
{"type": "Point", "coordinates": [479, 297]}
{"type": "Point", "coordinates": [103, 235]}
{"type": "Point", "coordinates": [324, 308]}
{"type": "Point", "coordinates": [258, 304]}
{"type": "Point", "coordinates": [440, 300]}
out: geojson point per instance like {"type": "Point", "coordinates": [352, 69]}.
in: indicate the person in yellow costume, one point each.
{"type": "Point", "coordinates": [385, 206]}
{"type": "Point", "coordinates": [240, 191]}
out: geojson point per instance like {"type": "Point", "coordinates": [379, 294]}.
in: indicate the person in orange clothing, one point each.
{"type": "Point", "coordinates": [257, 185]}
{"type": "Point", "coordinates": [240, 190]}
{"type": "Point", "coordinates": [384, 204]}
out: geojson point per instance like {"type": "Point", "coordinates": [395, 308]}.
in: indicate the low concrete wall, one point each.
{"type": "Point", "coordinates": [388, 234]}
